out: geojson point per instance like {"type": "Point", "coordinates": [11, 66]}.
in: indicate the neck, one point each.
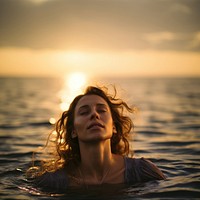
{"type": "Point", "coordinates": [96, 159]}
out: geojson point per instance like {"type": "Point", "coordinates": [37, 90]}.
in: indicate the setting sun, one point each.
{"type": "Point", "coordinates": [74, 84]}
{"type": "Point", "coordinates": [76, 81]}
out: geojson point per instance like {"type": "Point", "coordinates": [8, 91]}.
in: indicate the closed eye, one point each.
{"type": "Point", "coordinates": [83, 112]}
{"type": "Point", "coordinates": [85, 109]}
{"type": "Point", "coordinates": [102, 110]}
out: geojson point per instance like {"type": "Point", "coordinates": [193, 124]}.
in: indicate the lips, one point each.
{"type": "Point", "coordinates": [95, 124]}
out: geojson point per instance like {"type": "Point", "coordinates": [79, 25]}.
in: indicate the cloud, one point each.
{"type": "Point", "coordinates": [195, 42]}
{"type": "Point", "coordinates": [159, 37]}
{"type": "Point", "coordinates": [39, 1]}
{"type": "Point", "coordinates": [99, 24]}
{"type": "Point", "coordinates": [178, 7]}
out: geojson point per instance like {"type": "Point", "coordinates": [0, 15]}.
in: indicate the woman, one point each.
{"type": "Point", "coordinates": [92, 146]}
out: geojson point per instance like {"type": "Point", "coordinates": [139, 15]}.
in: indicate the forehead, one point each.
{"type": "Point", "coordinates": [90, 100]}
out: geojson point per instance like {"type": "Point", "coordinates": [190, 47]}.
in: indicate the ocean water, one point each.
{"type": "Point", "coordinates": [167, 131]}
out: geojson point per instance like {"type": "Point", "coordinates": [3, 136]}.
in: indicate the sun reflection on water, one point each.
{"type": "Point", "coordinates": [74, 84]}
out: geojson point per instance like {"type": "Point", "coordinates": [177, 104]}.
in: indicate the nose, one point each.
{"type": "Point", "coordinates": [94, 114]}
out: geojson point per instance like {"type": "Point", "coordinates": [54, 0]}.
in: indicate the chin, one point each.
{"type": "Point", "coordinates": [97, 137]}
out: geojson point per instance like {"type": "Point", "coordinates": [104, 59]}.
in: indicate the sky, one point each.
{"type": "Point", "coordinates": [100, 37]}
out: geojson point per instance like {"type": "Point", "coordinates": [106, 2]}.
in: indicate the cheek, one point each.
{"type": "Point", "coordinates": [110, 123]}
{"type": "Point", "coordinates": [79, 123]}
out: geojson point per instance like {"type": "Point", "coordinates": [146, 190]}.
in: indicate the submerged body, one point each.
{"type": "Point", "coordinates": [136, 170]}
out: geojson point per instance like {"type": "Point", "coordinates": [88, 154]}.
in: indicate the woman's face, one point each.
{"type": "Point", "coordinates": [93, 120]}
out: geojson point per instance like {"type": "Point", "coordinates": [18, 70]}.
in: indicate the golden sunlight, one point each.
{"type": "Point", "coordinates": [39, 1]}
{"type": "Point", "coordinates": [74, 84]}
{"type": "Point", "coordinates": [77, 58]}
{"type": "Point", "coordinates": [76, 81]}
{"type": "Point", "coordinates": [130, 63]}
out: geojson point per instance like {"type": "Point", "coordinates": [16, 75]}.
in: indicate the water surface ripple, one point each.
{"type": "Point", "coordinates": [167, 131]}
